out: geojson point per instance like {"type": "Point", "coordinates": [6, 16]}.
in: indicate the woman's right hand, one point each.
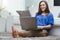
{"type": "Point", "coordinates": [40, 27]}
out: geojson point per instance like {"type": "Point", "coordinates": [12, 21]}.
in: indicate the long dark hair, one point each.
{"type": "Point", "coordinates": [46, 10]}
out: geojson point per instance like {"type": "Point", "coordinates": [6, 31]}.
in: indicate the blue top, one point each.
{"type": "Point", "coordinates": [42, 20]}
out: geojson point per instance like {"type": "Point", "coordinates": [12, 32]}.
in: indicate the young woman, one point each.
{"type": "Point", "coordinates": [44, 18]}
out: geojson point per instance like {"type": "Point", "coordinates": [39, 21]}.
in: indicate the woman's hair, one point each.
{"type": "Point", "coordinates": [46, 10]}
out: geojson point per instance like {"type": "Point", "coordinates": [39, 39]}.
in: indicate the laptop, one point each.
{"type": "Point", "coordinates": [25, 13]}
{"type": "Point", "coordinates": [28, 23]}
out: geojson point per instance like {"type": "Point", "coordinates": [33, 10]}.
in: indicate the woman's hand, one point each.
{"type": "Point", "coordinates": [47, 27]}
{"type": "Point", "coordinates": [40, 27]}
{"type": "Point", "coordinates": [44, 27]}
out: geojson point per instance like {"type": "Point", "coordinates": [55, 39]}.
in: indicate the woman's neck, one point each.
{"type": "Point", "coordinates": [44, 13]}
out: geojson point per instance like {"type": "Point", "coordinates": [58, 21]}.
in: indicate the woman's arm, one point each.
{"type": "Point", "coordinates": [44, 27]}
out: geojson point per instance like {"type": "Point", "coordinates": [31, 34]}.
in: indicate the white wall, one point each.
{"type": "Point", "coordinates": [14, 5]}
{"type": "Point", "coordinates": [33, 6]}
{"type": "Point", "coordinates": [1, 3]}
{"type": "Point", "coordinates": [54, 9]}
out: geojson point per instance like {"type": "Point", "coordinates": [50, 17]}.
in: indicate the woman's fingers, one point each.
{"type": "Point", "coordinates": [40, 27]}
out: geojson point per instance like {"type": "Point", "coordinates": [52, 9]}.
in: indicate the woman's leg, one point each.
{"type": "Point", "coordinates": [16, 33]}
{"type": "Point", "coordinates": [48, 30]}
{"type": "Point", "coordinates": [42, 33]}
{"type": "Point", "coordinates": [25, 34]}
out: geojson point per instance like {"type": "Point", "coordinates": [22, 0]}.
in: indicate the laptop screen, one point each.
{"type": "Point", "coordinates": [28, 23]}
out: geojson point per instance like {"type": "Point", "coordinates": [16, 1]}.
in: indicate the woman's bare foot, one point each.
{"type": "Point", "coordinates": [15, 33]}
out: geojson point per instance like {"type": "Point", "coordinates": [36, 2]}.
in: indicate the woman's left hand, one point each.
{"type": "Point", "coordinates": [47, 27]}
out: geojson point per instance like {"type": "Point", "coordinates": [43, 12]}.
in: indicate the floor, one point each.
{"type": "Point", "coordinates": [8, 36]}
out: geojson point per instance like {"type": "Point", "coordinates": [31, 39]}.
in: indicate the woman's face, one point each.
{"type": "Point", "coordinates": [43, 6]}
